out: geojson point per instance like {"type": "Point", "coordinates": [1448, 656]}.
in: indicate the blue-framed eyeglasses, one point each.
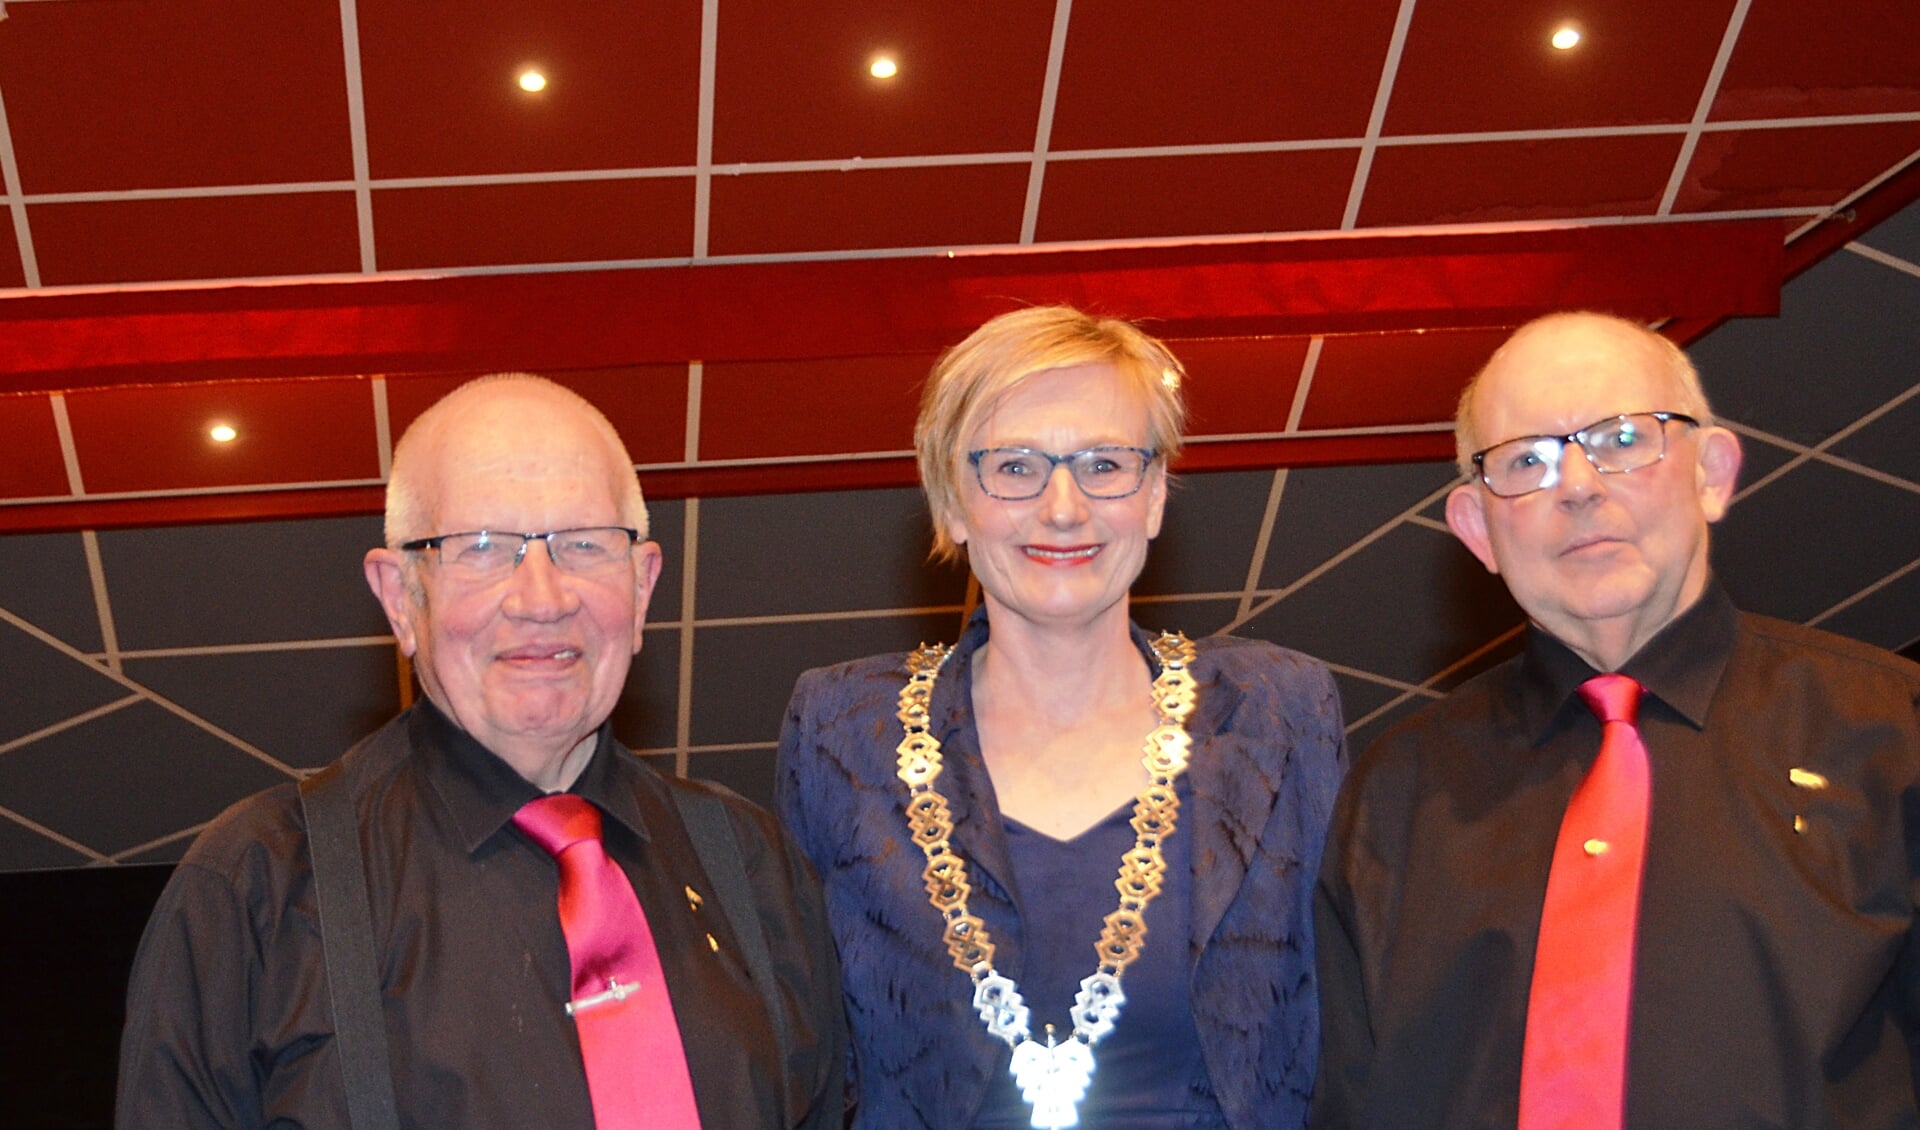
{"type": "Point", "coordinates": [1016, 474]}
{"type": "Point", "coordinates": [486, 554]}
{"type": "Point", "coordinates": [1615, 446]}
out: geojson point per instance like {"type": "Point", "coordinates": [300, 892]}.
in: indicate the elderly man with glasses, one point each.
{"type": "Point", "coordinates": [1660, 870]}
{"type": "Point", "coordinates": [489, 913]}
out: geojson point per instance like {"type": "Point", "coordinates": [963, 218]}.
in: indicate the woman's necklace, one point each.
{"type": "Point", "coordinates": [1053, 1078]}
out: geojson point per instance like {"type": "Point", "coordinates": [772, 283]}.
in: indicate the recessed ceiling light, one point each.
{"type": "Point", "coordinates": [222, 433]}
{"type": "Point", "coordinates": [883, 66]}
{"type": "Point", "coordinates": [532, 81]}
{"type": "Point", "coordinates": [1566, 38]}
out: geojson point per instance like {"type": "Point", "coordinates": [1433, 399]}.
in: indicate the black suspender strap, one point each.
{"type": "Point", "coordinates": [346, 940]}
{"type": "Point", "coordinates": [711, 830]}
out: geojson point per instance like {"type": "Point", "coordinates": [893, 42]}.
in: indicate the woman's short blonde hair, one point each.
{"type": "Point", "coordinates": [972, 378]}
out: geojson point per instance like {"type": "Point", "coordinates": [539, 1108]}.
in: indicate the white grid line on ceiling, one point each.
{"type": "Point", "coordinates": [1043, 126]}
{"type": "Point", "coordinates": [382, 428]}
{"type": "Point", "coordinates": [64, 841]}
{"type": "Point", "coordinates": [357, 134]}
{"type": "Point", "coordinates": [703, 127]}
{"type": "Point", "coordinates": [1425, 690]}
{"type": "Point", "coordinates": [1822, 451]}
{"type": "Point", "coordinates": [69, 454]}
{"type": "Point", "coordinates": [1864, 593]}
{"type": "Point", "coordinates": [69, 723]}
{"type": "Point", "coordinates": [1865, 251]}
{"type": "Point", "coordinates": [1377, 116]}
{"type": "Point", "coordinates": [16, 201]}
{"type": "Point", "coordinates": [1844, 206]}
{"type": "Point", "coordinates": [689, 575]}
{"type": "Point", "coordinates": [1709, 91]}
{"type": "Point", "coordinates": [1261, 541]}
{"type": "Point", "coordinates": [102, 600]}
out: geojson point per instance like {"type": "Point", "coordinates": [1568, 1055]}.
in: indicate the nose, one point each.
{"type": "Point", "coordinates": [1063, 504]}
{"type": "Point", "coordinates": [538, 590]}
{"type": "Point", "coordinates": [1580, 481]}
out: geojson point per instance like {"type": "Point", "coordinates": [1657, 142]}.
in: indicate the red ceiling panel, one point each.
{"type": "Point", "coordinates": [647, 404]}
{"type": "Point", "coordinates": [1473, 65]}
{"type": "Point", "coordinates": [1240, 385]}
{"type": "Point", "coordinates": [196, 237]}
{"type": "Point", "coordinates": [33, 467]}
{"type": "Point", "coordinates": [1220, 194]}
{"type": "Point", "coordinates": [117, 95]}
{"type": "Point", "coordinates": [1132, 76]}
{"type": "Point", "coordinates": [953, 206]}
{"type": "Point", "coordinates": [1788, 168]}
{"type": "Point", "coordinates": [1832, 57]}
{"type": "Point", "coordinates": [545, 222]}
{"type": "Point", "coordinates": [442, 93]}
{"type": "Point", "coordinates": [13, 271]}
{"type": "Point", "coordinates": [792, 80]}
{"type": "Point", "coordinates": [821, 407]}
{"type": "Point", "coordinates": [155, 437]}
{"type": "Point", "coordinates": [1371, 380]}
{"type": "Point", "coordinates": [1538, 180]}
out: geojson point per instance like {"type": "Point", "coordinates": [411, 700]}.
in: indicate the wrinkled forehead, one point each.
{"type": "Point", "coordinates": [509, 453]}
{"type": "Point", "coordinates": [1562, 378]}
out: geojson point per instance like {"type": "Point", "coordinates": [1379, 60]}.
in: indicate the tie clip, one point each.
{"type": "Point", "coordinates": [616, 991]}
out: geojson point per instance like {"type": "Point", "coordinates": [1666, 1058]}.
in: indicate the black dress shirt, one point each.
{"type": "Point", "coordinates": [1776, 980]}
{"type": "Point", "coordinates": [228, 1023]}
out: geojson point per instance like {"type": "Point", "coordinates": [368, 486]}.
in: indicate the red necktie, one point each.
{"type": "Point", "coordinates": [636, 1066]}
{"type": "Point", "coordinates": [1573, 1071]}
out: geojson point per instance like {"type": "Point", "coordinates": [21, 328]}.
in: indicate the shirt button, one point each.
{"type": "Point", "coordinates": [1594, 847]}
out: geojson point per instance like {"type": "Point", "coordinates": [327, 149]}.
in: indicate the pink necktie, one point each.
{"type": "Point", "coordinates": [636, 1066]}
{"type": "Point", "coordinates": [1573, 1072]}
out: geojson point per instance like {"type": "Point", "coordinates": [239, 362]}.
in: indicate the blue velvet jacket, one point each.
{"type": "Point", "coordinates": [1268, 753]}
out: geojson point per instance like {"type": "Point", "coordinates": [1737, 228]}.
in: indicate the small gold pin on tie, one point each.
{"type": "Point", "coordinates": [693, 898]}
{"type": "Point", "coordinates": [713, 943]}
{"type": "Point", "coordinates": [1806, 778]}
{"type": "Point", "coordinates": [1595, 847]}
{"type": "Point", "coordinates": [1799, 824]}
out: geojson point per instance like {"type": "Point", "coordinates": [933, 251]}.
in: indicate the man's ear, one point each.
{"type": "Point", "coordinates": [1467, 518]}
{"type": "Point", "coordinates": [646, 573]}
{"type": "Point", "coordinates": [386, 571]}
{"type": "Point", "coordinates": [1718, 471]}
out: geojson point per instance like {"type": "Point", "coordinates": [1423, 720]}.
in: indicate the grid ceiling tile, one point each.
{"type": "Point", "coordinates": [1898, 236]}
{"type": "Point", "coordinates": [44, 687]}
{"type": "Point", "coordinates": [850, 404]}
{"type": "Point", "coordinates": [748, 772]}
{"type": "Point", "coordinates": [1815, 505]}
{"type": "Point", "coordinates": [1211, 194]}
{"type": "Point", "coordinates": [98, 96]}
{"type": "Point", "coordinates": [1410, 604]}
{"type": "Point", "coordinates": [668, 517]}
{"type": "Point", "coordinates": [1238, 385]}
{"type": "Point", "coordinates": [23, 849]}
{"type": "Point", "coordinates": [1805, 167]}
{"type": "Point", "coordinates": [1474, 65]}
{"type": "Point", "coordinates": [13, 269]}
{"type": "Point", "coordinates": [1888, 443]}
{"type": "Point", "coordinates": [830, 552]}
{"type": "Point", "coordinates": [156, 436]}
{"type": "Point", "coordinates": [1359, 737]}
{"type": "Point", "coordinates": [952, 206]}
{"type": "Point", "coordinates": [1134, 77]}
{"type": "Point", "coordinates": [1206, 541]}
{"type": "Point", "coordinates": [1366, 380]}
{"type": "Point", "coordinates": [1194, 617]}
{"type": "Point", "coordinates": [33, 467]}
{"type": "Point", "coordinates": [442, 94]}
{"type": "Point", "coordinates": [304, 708]}
{"type": "Point", "coordinates": [43, 580]}
{"type": "Point", "coordinates": [1888, 617]}
{"type": "Point", "coordinates": [1494, 182]}
{"type": "Point", "coordinates": [792, 83]}
{"type": "Point", "coordinates": [1758, 459]}
{"type": "Point", "coordinates": [196, 237]}
{"type": "Point", "coordinates": [1799, 59]}
{"type": "Point", "coordinates": [103, 785]}
{"type": "Point", "coordinates": [743, 676]}
{"type": "Point", "coordinates": [195, 586]}
{"type": "Point", "coordinates": [1325, 509]}
{"type": "Point", "coordinates": [647, 716]}
{"type": "Point", "coordinates": [544, 222]}
{"type": "Point", "coordinates": [1842, 346]}
{"type": "Point", "coordinates": [1360, 698]}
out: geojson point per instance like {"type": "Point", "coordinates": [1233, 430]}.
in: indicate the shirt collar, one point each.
{"type": "Point", "coordinates": [482, 792]}
{"type": "Point", "coordinates": [1679, 668]}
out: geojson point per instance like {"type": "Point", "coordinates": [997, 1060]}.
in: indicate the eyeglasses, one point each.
{"type": "Point", "coordinates": [1615, 445]}
{"type": "Point", "coordinates": [1016, 474]}
{"type": "Point", "coordinates": [490, 554]}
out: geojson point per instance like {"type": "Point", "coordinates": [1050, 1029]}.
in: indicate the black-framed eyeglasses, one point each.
{"type": "Point", "coordinates": [488, 554]}
{"type": "Point", "coordinates": [1016, 474]}
{"type": "Point", "coordinates": [1615, 446]}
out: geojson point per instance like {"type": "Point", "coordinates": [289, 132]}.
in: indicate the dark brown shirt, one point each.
{"type": "Point", "coordinates": [228, 1023]}
{"type": "Point", "coordinates": [1777, 981]}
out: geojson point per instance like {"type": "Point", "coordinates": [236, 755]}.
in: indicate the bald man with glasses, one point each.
{"type": "Point", "coordinates": [490, 914]}
{"type": "Point", "coordinates": [1661, 869]}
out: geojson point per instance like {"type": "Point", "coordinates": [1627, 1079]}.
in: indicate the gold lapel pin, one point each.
{"type": "Point", "coordinates": [1806, 778]}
